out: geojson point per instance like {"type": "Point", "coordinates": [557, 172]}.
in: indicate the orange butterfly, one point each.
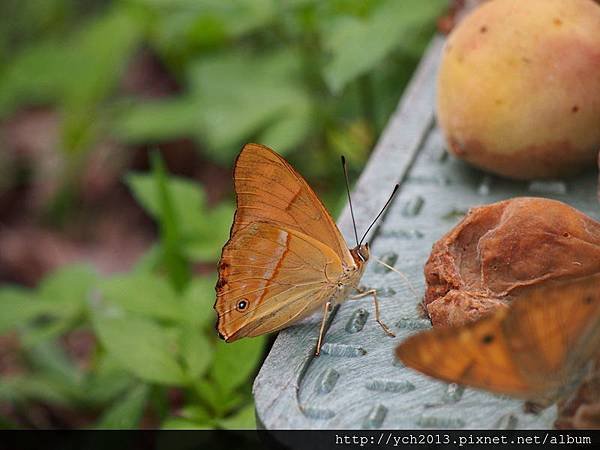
{"type": "Point", "coordinates": [285, 257]}
{"type": "Point", "coordinates": [537, 349]}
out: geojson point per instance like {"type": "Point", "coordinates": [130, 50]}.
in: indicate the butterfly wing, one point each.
{"type": "Point", "coordinates": [475, 355]}
{"type": "Point", "coordinates": [555, 329]}
{"type": "Point", "coordinates": [269, 190]}
{"type": "Point", "coordinates": [279, 274]}
{"type": "Point", "coordinates": [528, 350]}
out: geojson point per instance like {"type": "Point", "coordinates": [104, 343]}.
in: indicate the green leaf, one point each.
{"type": "Point", "coordinates": [141, 346]}
{"type": "Point", "coordinates": [142, 293]}
{"type": "Point", "coordinates": [36, 75]}
{"type": "Point", "coordinates": [244, 419]}
{"type": "Point", "coordinates": [244, 95]}
{"type": "Point", "coordinates": [68, 287]}
{"type": "Point", "coordinates": [106, 381]}
{"type": "Point", "coordinates": [189, 199]}
{"type": "Point", "coordinates": [357, 44]}
{"type": "Point", "coordinates": [47, 330]}
{"type": "Point", "coordinates": [196, 351]}
{"type": "Point", "coordinates": [196, 413]}
{"type": "Point", "coordinates": [100, 54]}
{"type": "Point", "coordinates": [181, 423]}
{"type": "Point", "coordinates": [63, 294]}
{"type": "Point", "coordinates": [51, 359]}
{"type": "Point", "coordinates": [184, 26]}
{"type": "Point", "coordinates": [35, 387]}
{"type": "Point", "coordinates": [157, 120]}
{"type": "Point", "coordinates": [198, 301]}
{"type": "Point", "coordinates": [149, 261]}
{"type": "Point", "coordinates": [17, 307]}
{"type": "Point", "coordinates": [191, 417]}
{"type": "Point", "coordinates": [170, 228]}
{"type": "Point", "coordinates": [207, 235]}
{"type": "Point", "coordinates": [127, 412]}
{"type": "Point", "coordinates": [235, 362]}
{"type": "Point", "coordinates": [203, 230]}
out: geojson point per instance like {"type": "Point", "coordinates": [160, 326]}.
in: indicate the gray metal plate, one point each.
{"type": "Point", "coordinates": [356, 382]}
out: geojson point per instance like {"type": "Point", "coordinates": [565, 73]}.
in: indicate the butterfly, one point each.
{"type": "Point", "coordinates": [285, 257]}
{"type": "Point", "coordinates": [537, 349]}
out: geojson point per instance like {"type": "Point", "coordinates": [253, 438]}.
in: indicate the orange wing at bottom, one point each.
{"type": "Point", "coordinates": [532, 350]}
{"type": "Point", "coordinates": [270, 277]}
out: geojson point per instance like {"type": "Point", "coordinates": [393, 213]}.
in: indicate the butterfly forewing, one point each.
{"type": "Point", "coordinates": [269, 190]}
{"type": "Point", "coordinates": [473, 355]}
{"type": "Point", "coordinates": [554, 329]}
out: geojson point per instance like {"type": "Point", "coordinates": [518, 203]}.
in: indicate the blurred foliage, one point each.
{"type": "Point", "coordinates": [154, 328]}
{"type": "Point", "coordinates": [295, 75]}
{"type": "Point", "coordinates": [311, 78]}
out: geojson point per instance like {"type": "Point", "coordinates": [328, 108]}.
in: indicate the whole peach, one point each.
{"type": "Point", "coordinates": [519, 87]}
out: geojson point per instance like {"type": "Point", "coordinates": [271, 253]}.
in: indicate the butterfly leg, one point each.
{"type": "Point", "coordinates": [373, 292]}
{"type": "Point", "coordinates": [322, 330]}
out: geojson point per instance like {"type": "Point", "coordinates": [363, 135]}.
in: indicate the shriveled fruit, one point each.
{"type": "Point", "coordinates": [499, 250]}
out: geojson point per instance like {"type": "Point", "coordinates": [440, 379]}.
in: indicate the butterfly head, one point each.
{"type": "Point", "coordinates": [361, 253]}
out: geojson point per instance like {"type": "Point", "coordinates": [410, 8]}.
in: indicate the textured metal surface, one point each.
{"type": "Point", "coordinates": [356, 382]}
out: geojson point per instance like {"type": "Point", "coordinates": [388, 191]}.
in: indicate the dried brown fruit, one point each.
{"type": "Point", "coordinates": [500, 249]}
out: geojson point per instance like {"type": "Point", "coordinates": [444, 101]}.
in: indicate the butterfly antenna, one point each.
{"type": "Point", "coordinates": [404, 277]}
{"type": "Point", "coordinates": [380, 213]}
{"type": "Point", "coordinates": [345, 167]}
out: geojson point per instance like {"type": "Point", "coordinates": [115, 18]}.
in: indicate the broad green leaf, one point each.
{"type": "Point", "coordinates": [235, 362]}
{"type": "Point", "coordinates": [188, 197]}
{"type": "Point", "coordinates": [106, 381]}
{"type": "Point", "coordinates": [68, 287]}
{"type": "Point", "coordinates": [197, 303]}
{"type": "Point", "coordinates": [217, 400]}
{"type": "Point", "coordinates": [126, 412]}
{"type": "Point", "coordinates": [358, 44]}
{"type": "Point", "coordinates": [196, 351]}
{"type": "Point", "coordinates": [204, 231]}
{"type": "Point", "coordinates": [95, 56]}
{"type": "Point", "coordinates": [142, 293]}
{"type": "Point", "coordinates": [244, 95]}
{"type": "Point", "coordinates": [100, 54]}
{"type": "Point", "coordinates": [47, 330]}
{"type": "Point", "coordinates": [35, 387]}
{"type": "Point", "coordinates": [50, 358]}
{"type": "Point", "coordinates": [17, 307]}
{"type": "Point", "coordinates": [149, 261]}
{"type": "Point", "coordinates": [291, 129]}
{"type": "Point", "coordinates": [244, 419]}
{"type": "Point", "coordinates": [64, 294]}
{"type": "Point", "coordinates": [158, 120]}
{"type": "Point", "coordinates": [141, 346]}
{"type": "Point", "coordinates": [205, 240]}
{"type": "Point", "coordinates": [188, 25]}
{"type": "Point", "coordinates": [36, 75]}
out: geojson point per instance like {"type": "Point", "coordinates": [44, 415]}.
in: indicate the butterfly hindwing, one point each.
{"type": "Point", "coordinates": [280, 274]}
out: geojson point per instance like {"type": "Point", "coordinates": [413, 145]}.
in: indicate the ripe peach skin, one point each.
{"type": "Point", "coordinates": [519, 87]}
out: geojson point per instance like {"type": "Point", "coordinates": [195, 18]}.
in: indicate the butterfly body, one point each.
{"type": "Point", "coordinates": [285, 258]}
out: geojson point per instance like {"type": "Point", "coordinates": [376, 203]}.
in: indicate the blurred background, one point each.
{"type": "Point", "coordinates": [119, 123]}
